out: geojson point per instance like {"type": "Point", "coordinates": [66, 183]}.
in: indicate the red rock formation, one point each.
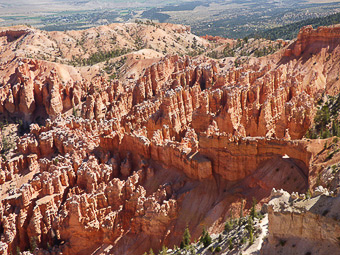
{"type": "Point", "coordinates": [321, 36]}
{"type": "Point", "coordinates": [181, 144]}
{"type": "Point", "coordinates": [235, 158]}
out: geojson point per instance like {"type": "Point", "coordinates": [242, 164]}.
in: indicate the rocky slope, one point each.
{"type": "Point", "coordinates": [67, 45]}
{"type": "Point", "coordinates": [172, 141]}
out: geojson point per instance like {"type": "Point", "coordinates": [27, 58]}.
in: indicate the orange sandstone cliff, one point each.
{"type": "Point", "coordinates": [119, 166]}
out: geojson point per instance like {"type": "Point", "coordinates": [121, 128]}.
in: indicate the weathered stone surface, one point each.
{"type": "Point", "coordinates": [303, 226]}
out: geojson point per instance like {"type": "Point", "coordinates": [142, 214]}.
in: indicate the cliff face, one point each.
{"type": "Point", "coordinates": [322, 36]}
{"type": "Point", "coordinates": [234, 160]}
{"type": "Point", "coordinates": [128, 163]}
{"type": "Point", "coordinates": [299, 226]}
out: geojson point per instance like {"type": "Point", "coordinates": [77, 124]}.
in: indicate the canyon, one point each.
{"type": "Point", "coordinates": [121, 165]}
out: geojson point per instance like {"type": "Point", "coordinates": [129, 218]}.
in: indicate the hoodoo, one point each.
{"type": "Point", "coordinates": [113, 145]}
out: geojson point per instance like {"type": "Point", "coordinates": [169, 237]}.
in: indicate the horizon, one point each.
{"type": "Point", "coordinates": [230, 19]}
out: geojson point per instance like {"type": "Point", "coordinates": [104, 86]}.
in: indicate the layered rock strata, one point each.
{"type": "Point", "coordinates": [299, 226]}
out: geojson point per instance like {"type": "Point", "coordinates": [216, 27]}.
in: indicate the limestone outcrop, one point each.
{"type": "Point", "coordinates": [298, 225]}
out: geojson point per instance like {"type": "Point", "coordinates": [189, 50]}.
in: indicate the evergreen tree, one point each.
{"type": "Point", "coordinates": [231, 245]}
{"type": "Point", "coordinates": [205, 238]}
{"type": "Point", "coordinates": [186, 238]}
{"type": "Point", "coordinates": [253, 213]}
{"type": "Point", "coordinates": [250, 228]}
{"type": "Point", "coordinates": [241, 210]}
{"type": "Point", "coordinates": [220, 238]}
{"type": "Point", "coordinates": [228, 226]}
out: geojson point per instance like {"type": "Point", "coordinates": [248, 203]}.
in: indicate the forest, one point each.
{"type": "Point", "coordinates": [289, 32]}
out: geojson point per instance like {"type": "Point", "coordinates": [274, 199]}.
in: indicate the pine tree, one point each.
{"type": "Point", "coordinates": [253, 213]}
{"type": "Point", "coordinates": [250, 229]}
{"type": "Point", "coordinates": [241, 210]}
{"type": "Point", "coordinates": [186, 238]}
{"type": "Point", "coordinates": [164, 250]}
{"type": "Point", "coordinates": [220, 238]}
{"type": "Point", "coordinates": [205, 238]}
{"type": "Point", "coordinates": [231, 245]}
{"type": "Point", "coordinates": [228, 226]}
{"type": "Point", "coordinates": [251, 237]}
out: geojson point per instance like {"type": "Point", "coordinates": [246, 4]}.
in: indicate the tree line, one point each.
{"type": "Point", "coordinates": [290, 31]}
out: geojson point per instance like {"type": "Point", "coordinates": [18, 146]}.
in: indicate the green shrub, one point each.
{"type": "Point", "coordinates": [282, 242]}
{"type": "Point", "coordinates": [325, 121]}
{"type": "Point", "coordinates": [74, 112]}
{"type": "Point", "coordinates": [98, 57]}
{"type": "Point", "coordinates": [231, 245]}
{"type": "Point", "coordinates": [218, 249]}
{"type": "Point", "coordinates": [243, 240]}
{"type": "Point", "coordinates": [334, 169]}
{"type": "Point", "coordinates": [228, 226]}
{"type": "Point", "coordinates": [33, 244]}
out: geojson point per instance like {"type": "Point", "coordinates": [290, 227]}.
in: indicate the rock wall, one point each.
{"type": "Point", "coordinates": [300, 226]}
{"type": "Point", "coordinates": [322, 35]}
{"type": "Point", "coordinates": [235, 158]}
